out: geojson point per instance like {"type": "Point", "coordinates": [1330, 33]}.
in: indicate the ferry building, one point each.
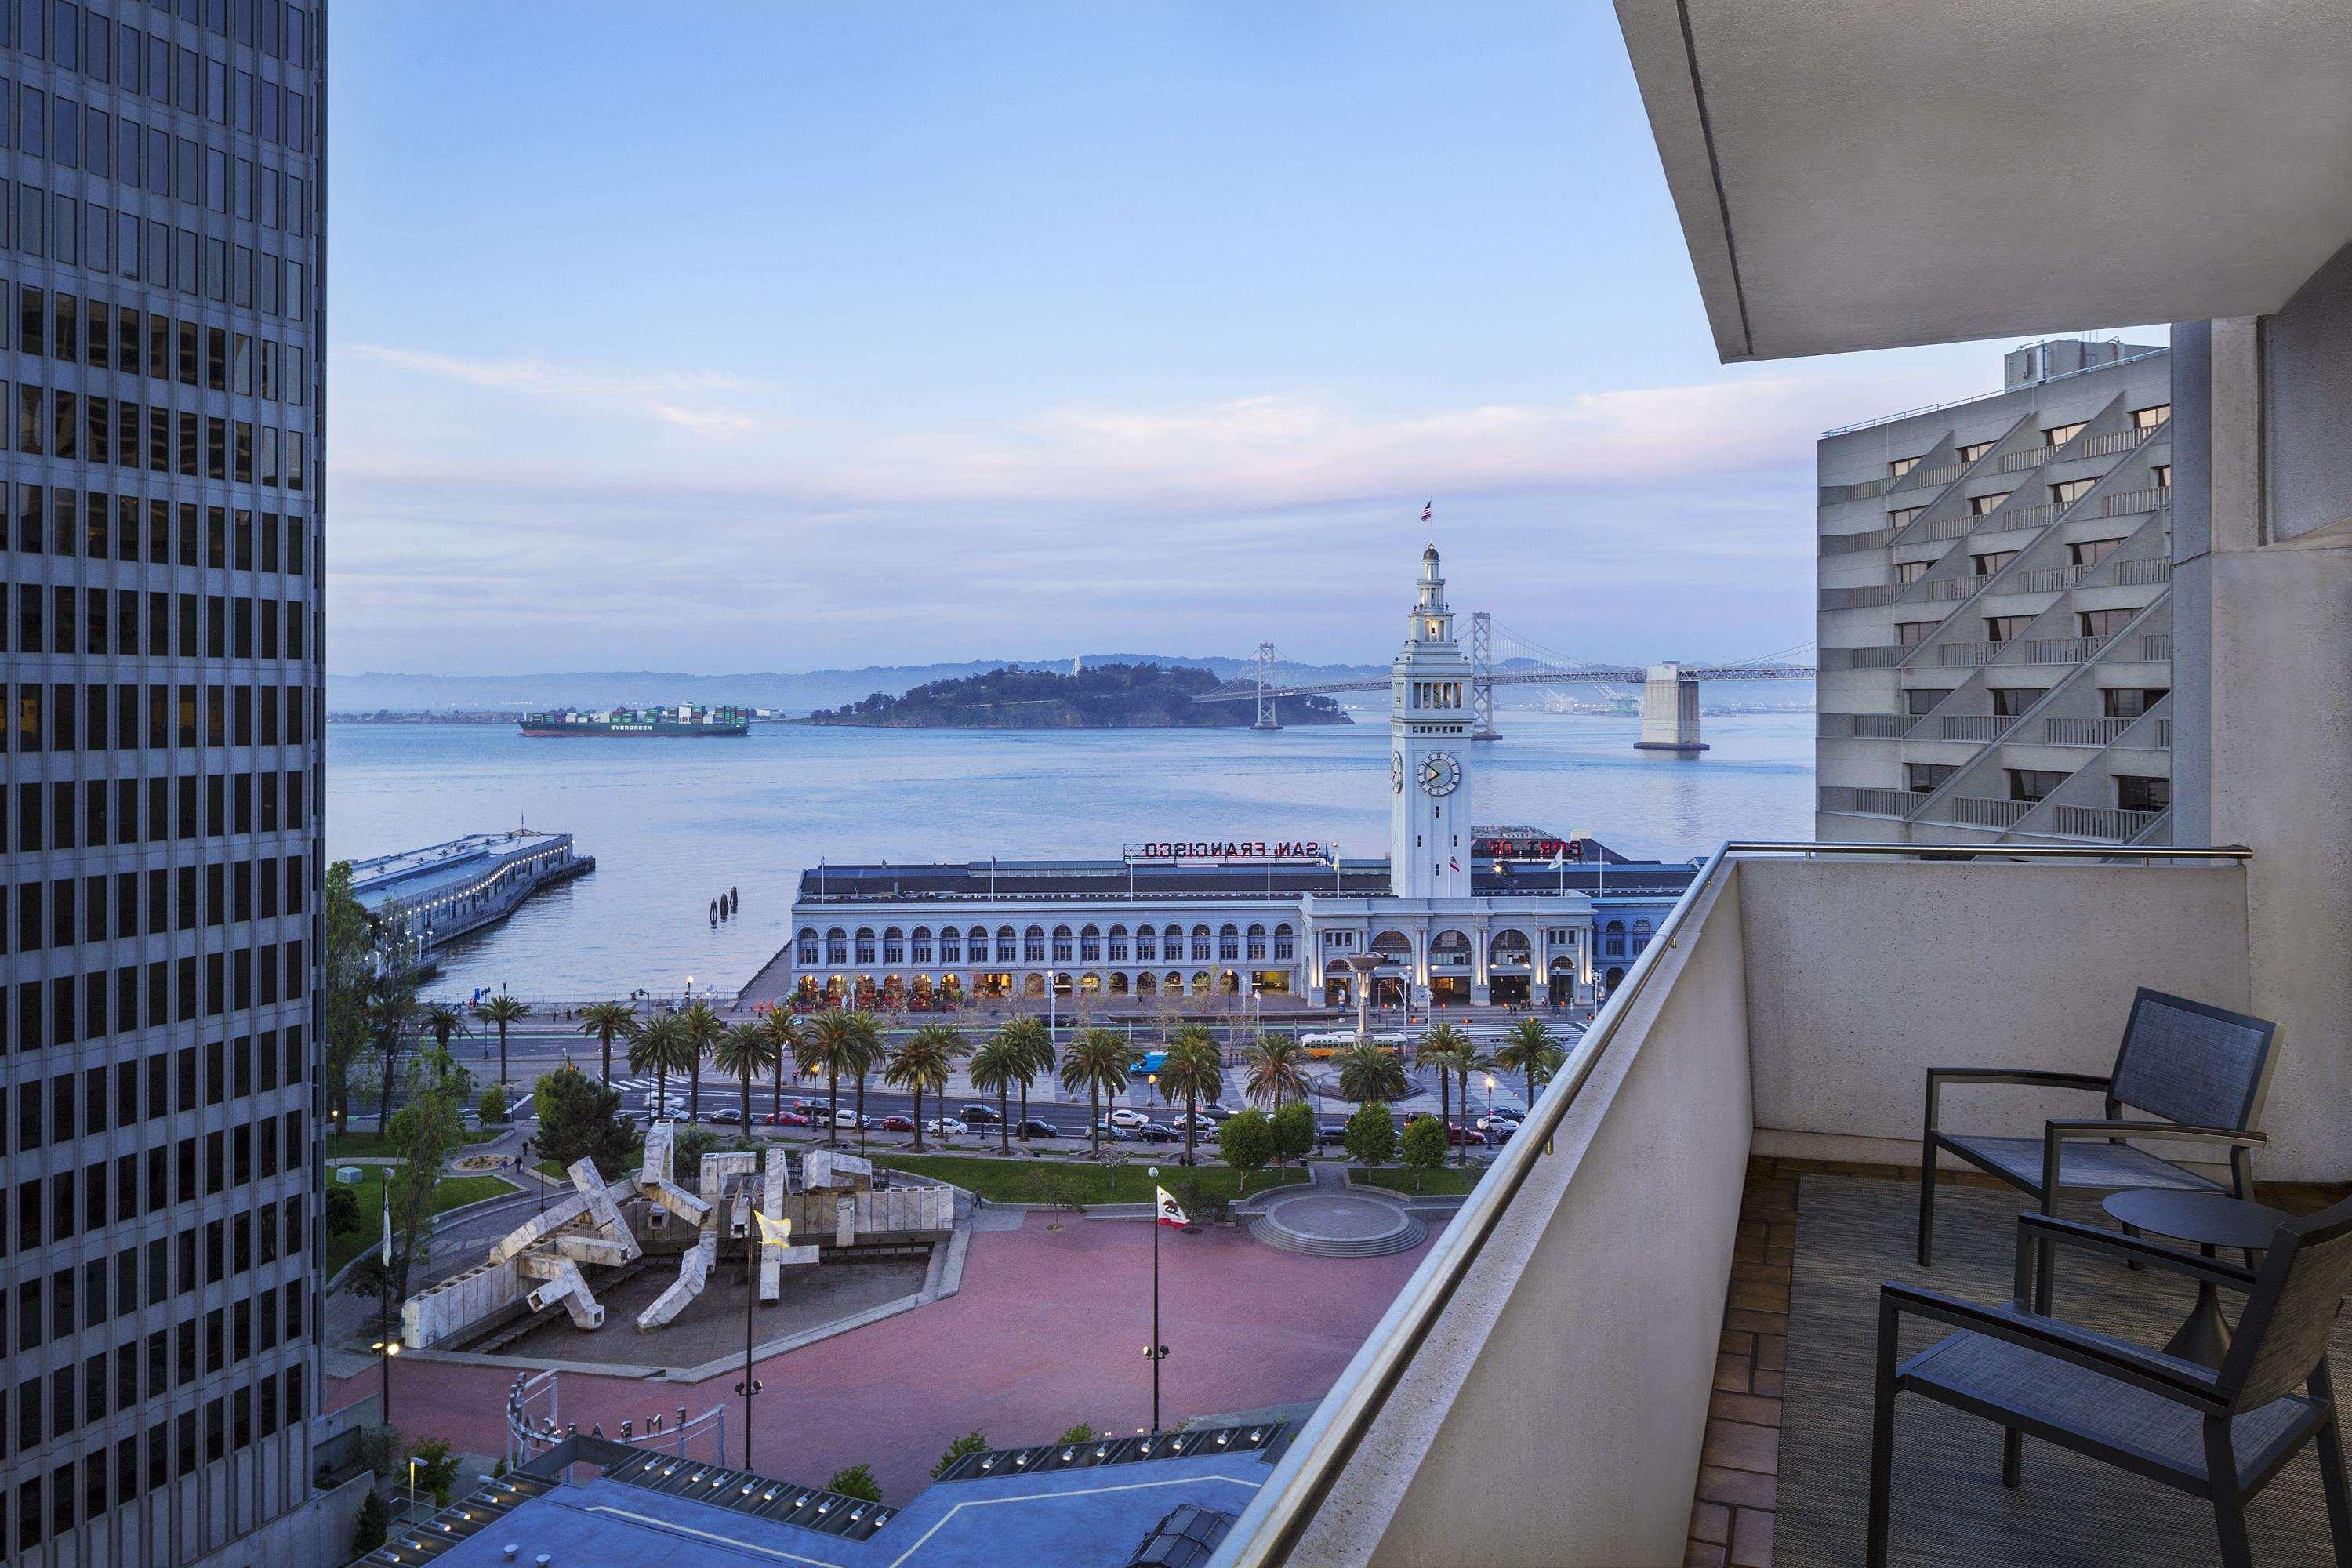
{"type": "Point", "coordinates": [1458, 913]}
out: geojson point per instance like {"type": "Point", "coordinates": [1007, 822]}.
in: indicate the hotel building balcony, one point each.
{"type": "Point", "coordinates": [1649, 1337]}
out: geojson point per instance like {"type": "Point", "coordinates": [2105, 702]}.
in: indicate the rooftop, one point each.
{"type": "Point", "coordinates": [1106, 880]}
{"type": "Point", "coordinates": [415, 873]}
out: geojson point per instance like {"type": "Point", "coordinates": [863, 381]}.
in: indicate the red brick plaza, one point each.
{"type": "Point", "coordinates": [1048, 1328]}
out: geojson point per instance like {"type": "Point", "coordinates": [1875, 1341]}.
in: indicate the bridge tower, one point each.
{"type": "Point", "coordinates": [1266, 718]}
{"type": "Point", "coordinates": [1670, 711]}
{"type": "Point", "coordinates": [1482, 677]}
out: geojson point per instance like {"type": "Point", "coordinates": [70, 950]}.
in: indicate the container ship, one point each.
{"type": "Point", "coordinates": [681, 719]}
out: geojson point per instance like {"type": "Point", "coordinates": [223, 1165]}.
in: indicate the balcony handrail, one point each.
{"type": "Point", "coordinates": [1286, 1505]}
{"type": "Point", "coordinates": [2003, 391]}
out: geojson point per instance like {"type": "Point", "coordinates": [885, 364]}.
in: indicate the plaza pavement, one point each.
{"type": "Point", "coordinates": [1048, 1328]}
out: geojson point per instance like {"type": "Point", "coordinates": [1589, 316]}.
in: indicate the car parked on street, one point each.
{"type": "Point", "coordinates": [726, 1116]}
{"type": "Point", "coordinates": [1129, 1116]}
{"type": "Point", "coordinates": [850, 1118]}
{"type": "Point", "coordinates": [1456, 1135]}
{"type": "Point", "coordinates": [945, 1127]}
{"type": "Point", "coordinates": [979, 1115]}
{"type": "Point", "coordinates": [1157, 1132]}
{"type": "Point", "coordinates": [789, 1118]}
{"type": "Point", "coordinates": [1498, 1128]}
{"type": "Point", "coordinates": [1112, 1133]}
{"type": "Point", "coordinates": [897, 1122]}
{"type": "Point", "coordinates": [1033, 1128]}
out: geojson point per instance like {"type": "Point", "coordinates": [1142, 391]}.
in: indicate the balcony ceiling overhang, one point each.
{"type": "Point", "coordinates": [1870, 173]}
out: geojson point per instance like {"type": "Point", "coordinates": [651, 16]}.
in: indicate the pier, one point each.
{"type": "Point", "coordinates": [447, 890]}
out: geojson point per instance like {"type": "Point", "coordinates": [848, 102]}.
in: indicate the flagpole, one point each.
{"type": "Point", "coordinates": [1158, 1349]}
{"type": "Point", "coordinates": [751, 1293]}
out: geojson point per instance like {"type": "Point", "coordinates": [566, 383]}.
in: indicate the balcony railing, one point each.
{"type": "Point", "coordinates": [2048, 580]}
{"type": "Point", "coordinates": [2155, 648]}
{"type": "Point", "coordinates": [2125, 502]}
{"type": "Point", "coordinates": [1869, 801]}
{"type": "Point", "coordinates": [1863, 598]}
{"type": "Point", "coordinates": [2110, 823]}
{"type": "Point", "coordinates": [2022, 517]}
{"type": "Point", "coordinates": [1862, 726]}
{"type": "Point", "coordinates": [1944, 590]}
{"type": "Point", "coordinates": [1976, 726]}
{"type": "Point", "coordinates": [1861, 657]}
{"type": "Point", "coordinates": [2164, 733]}
{"type": "Point", "coordinates": [2083, 732]}
{"type": "Point", "coordinates": [1984, 811]}
{"type": "Point", "coordinates": [1966, 653]}
{"type": "Point", "coordinates": [2143, 570]}
{"type": "Point", "coordinates": [1755, 1023]}
{"type": "Point", "coordinates": [2020, 461]}
{"type": "Point", "coordinates": [2059, 650]}
{"type": "Point", "coordinates": [1953, 525]}
{"type": "Point", "coordinates": [1847, 543]}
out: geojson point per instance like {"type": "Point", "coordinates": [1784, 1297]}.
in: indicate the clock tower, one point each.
{"type": "Point", "coordinates": [1429, 752]}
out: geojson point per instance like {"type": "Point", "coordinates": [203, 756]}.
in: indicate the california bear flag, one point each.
{"type": "Point", "coordinates": [1170, 1212]}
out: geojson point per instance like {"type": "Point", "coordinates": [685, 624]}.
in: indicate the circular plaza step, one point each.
{"type": "Point", "coordinates": [1345, 1224]}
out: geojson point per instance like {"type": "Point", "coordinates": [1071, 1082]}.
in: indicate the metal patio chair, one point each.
{"type": "Point", "coordinates": [2217, 1434]}
{"type": "Point", "coordinates": [2202, 1071]}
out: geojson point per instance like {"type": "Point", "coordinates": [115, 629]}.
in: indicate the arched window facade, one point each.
{"type": "Point", "coordinates": [1090, 945]}
{"type": "Point", "coordinates": [1147, 944]}
{"type": "Point", "coordinates": [862, 945]}
{"type": "Point", "coordinates": [1145, 986]}
{"type": "Point", "coordinates": [1613, 939]}
{"type": "Point", "coordinates": [837, 946]}
{"type": "Point", "coordinates": [1118, 948]}
{"type": "Point", "coordinates": [1032, 945]}
{"type": "Point", "coordinates": [920, 944]}
{"type": "Point", "coordinates": [1008, 945]}
{"type": "Point", "coordinates": [807, 951]}
{"type": "Point", "coordinates": [951, 945]}
{"type": "Point", "coordinates": [1640, 935]}
{"type": "Point", "coordinates": [1510, 948]}
{"type": "Point", "coordinates": [894, 945]}
{"type": "Point", "coordinates": [1229, 943]}
{"type": "Point", "coordinates": [1202, 948]}
{"type": "Point", "coordinates": [1286, 943]}
{"type": "Point", "coordinates": [1257, 949]}
{"type": "Point", "coordinates": [1061, 945]}
{"type": "Point", "coordinates": [1394, 944]}
{"type": "Point", "coordinates": [1449, 950]}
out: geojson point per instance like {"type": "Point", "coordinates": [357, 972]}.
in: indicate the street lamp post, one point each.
{"type": "Point", "coordinates": [1155, 1353]}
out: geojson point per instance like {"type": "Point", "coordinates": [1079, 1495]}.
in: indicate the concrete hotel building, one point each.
{"type": "Point", "coordinates": [1996, 614]}
{"type": "Point", "coordinates": [1464, 915]}
{"type": "Point", "coordinates": [165, 310]}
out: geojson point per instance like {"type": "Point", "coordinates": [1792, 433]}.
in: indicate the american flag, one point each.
{"type": "Point", "coordinates": [1426, 508]}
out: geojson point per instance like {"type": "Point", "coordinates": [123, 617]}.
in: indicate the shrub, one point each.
{"type": "Point", "coordinates": [342, 1209]}
{"type": "Point", "coordinates": [1081, 1433]}
{"type": "Point", "coordinates": [1424, 1146]}
{"type": "Point", "coordinates": [856, 1481]}
{"type": "Point", "coordinates": [493, 1107]}
{"type": "Point", "coordinates": [375, 1524]}
{"type": "Point", "coordinates": [972, 1442]}
{"type": "Point", "coordinates": [1372, 1135]}
{"type": "Point", "coordinates": [1247, 1141]}
{"type": "Point", "coordinates": [1294, 1131]}
{"type": "Point", "coordinates": [436, 1466]}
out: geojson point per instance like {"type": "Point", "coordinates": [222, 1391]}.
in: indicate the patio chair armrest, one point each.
{"type": "Point", "coordinates": [2038, 1231]}
{"type": "Point", "coordinates": [2058, 1131]}
{"type": "Point", "coordinates": [2014, 1324]}
{"type": "Point", "coordinates": [2016, 1078]}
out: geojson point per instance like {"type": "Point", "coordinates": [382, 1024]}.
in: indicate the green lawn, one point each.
{"type": "Point", "coordinates": [373, 1145]}
{"type": "Point", "coordinates": [1021, 1181]}
{"type": "Point", "coordinates": [454, 1191]}
{"type": "Point", "coordinates": [1397, 1179]}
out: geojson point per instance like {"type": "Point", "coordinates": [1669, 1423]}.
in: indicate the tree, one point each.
{"type": "Point", "coordinates": [437, 1467]}
{"type": "Point", "coordinates": [580, 1117]}
{"type": "Point", "coordinates": [1525, 1047]}
{"type": "Point", "coordinates": [660, 1047]}
{"type": "Point", "coordinates": [1194, 1070]}
{"type": "Point", "coordinates": [857, 1481]}
{"type": "Point", "coordinates": [703, 1027]}
{"type": "Point", "coordinates": [743, 1052]}
{"type": "Point", "coordinates": [374, 1525]}
{"type": "Point", "coordinates": [1097, 1060]}
{"type": "Point", "coordinates": [390, 1011]}
{"type": "Point", "coordinates": [924, 1060]}
{"type": "Point", "coordinates": [1294, 1131]}
{"type": "Point", "coordinates": [866, 1038]}
{"type": "Point", "coordinates": [1081, 1433]}
{"type": "Point", "coordinates": [1443, 1047]}
{"type": "Point", "coordinates": [1369, 1072]}
{"type": "Point", "coordinates": [784, 1033]}
{"type": "Point", "coordinates": [349, 976]}
{"type": "Point", "coordinates": [1034, 1040]}
{"type": "Point", "coordinates": [605, 1022]}
{"type": "Point", "coordinates": [834, 1048]}
{"type": "Point", "coordinates": [1277, 1069]}
{"type": "Point", "coordinates": [443, 1022]}
{"type": "Point", "coordinates": [342, 1209]}
{"type": "Point", "coordinates": [1467, 1058]}
{"type": "Point", "coordinates": [501, 1010]}
{"type": "Point", "coordinates": [996, 1067]}
{"type": "Point", "coordinates": [1246, 1143]}
{"type": "Point", "coordinates": [972, 1442]}
{"type": "Point", "coordinates": [1423, 1146]}
{"type": "Point", "coordinates": [492, 1108]}
{"type": "Point", "coordinates": [1372, 1135]}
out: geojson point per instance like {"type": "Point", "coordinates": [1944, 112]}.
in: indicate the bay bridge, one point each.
{"type": "Point", "coordinates": [1499, 657]}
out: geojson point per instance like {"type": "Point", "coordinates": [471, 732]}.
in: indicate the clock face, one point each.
{"type": "Point", "coordinates": [1440, 774]}
{"type": "Point", "coordinates": [1396, 772]}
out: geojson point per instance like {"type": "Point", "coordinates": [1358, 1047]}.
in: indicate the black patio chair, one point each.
{"type": "Point", "coordinates": [2201, 1070]}
{"type": "Point", "coordinates": [2217, 1434]}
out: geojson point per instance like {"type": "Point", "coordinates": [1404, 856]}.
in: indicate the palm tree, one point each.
{"type": "Point", "coordinates": [923, 1061]}
{"type": "Point", "coordinates": [703, 1027]}
{"type": "Point", "coordinates": [1525, 1047]}
{"type": "Point", "coordinates": [607, 1021]}
{"type": "Point", "coordinates": [660, 1047]}
{"type": "Point", "coordinates": [996, 1067]}
{"type": "Point", "coordinates": [441, 1020]}
{"type": "Point", "coordinates": [784, 1033]}
{"type": "Point", "coordinates": [1440, 1048]}
{"type": "Point", "coordinates": [1029, 1038]}
{"type": "Point", "coordinates": [1467, 1058]}
{"type": "Point", "coordinates": [834, 1050]}
{"type": "Point", "coordinates": [865, 1031]}
{"type": "Point", "coordinates": [1096, 1061]}
{"type": "Point", "coordinates": [745, 1049]}
{"type": "Point", "coordinates": [501, 1010]}
{"type": "Point", "coordinates": [1277, 1069]}
{"type": "Point", "coordinates": [1195, 1070]}
{"type": "Point", "coordinates": [1371, 1072]}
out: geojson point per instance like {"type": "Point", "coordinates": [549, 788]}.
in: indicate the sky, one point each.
{"type": "Point", "coordinates": [785, 336]}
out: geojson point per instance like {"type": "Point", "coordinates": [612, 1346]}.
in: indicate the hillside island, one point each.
{"type": "Point", "coordinates": [1112, 696]}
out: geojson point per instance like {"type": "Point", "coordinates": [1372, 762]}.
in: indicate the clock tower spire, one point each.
{"type": "Point", "coordinates": [1429, 748]}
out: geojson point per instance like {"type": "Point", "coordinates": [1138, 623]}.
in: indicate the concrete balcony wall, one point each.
{"type": "Point", "coordinates": [1554, 1415]}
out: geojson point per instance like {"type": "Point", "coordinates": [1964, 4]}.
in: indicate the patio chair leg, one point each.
{"type": "Point", "coordinates": [2330, 1448]}
{"type": "Point", "coordinates": [1882, 1437]}
{"type": "Point", "coordinates": [2133, 1264]}
{"type": "Point", "coordinates": [2013, 1456]}
{"type": "Point", "coordinates": [1927, 1202]}
{"type": "Point", "coordinates": [2229, 1505]}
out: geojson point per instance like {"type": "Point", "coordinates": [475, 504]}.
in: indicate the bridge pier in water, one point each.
{"type": "Point", "coordinates": [1670, 711]}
